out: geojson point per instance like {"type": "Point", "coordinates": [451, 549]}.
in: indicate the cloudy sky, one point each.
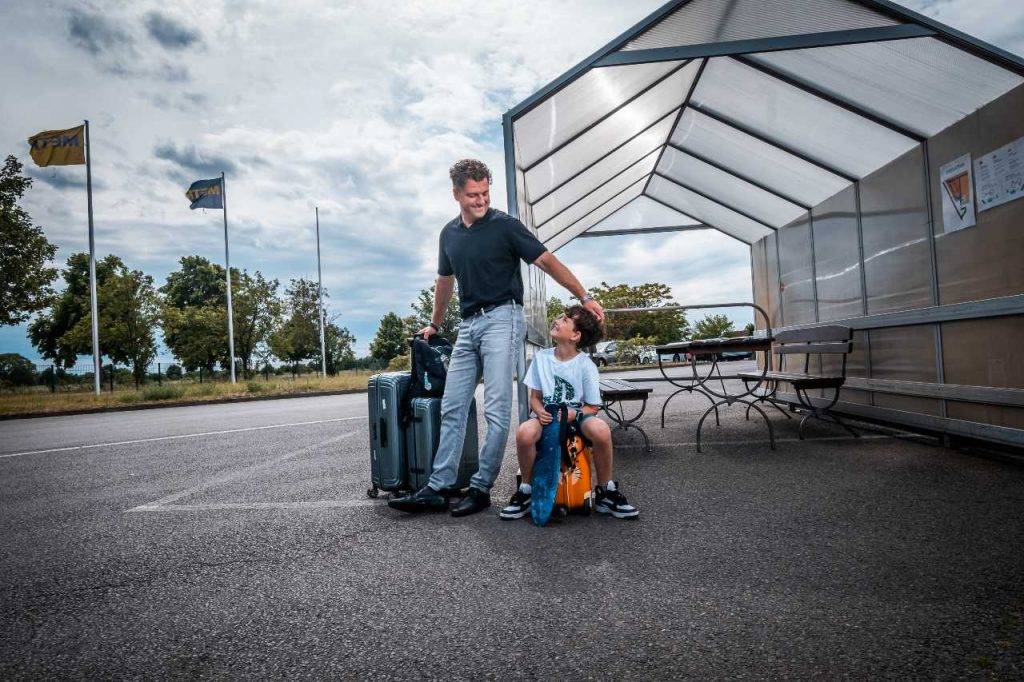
{"type": "Point", "coordinates": [356, 106]}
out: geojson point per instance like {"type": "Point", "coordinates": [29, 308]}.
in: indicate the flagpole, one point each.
{"type": "Point", "coordinates": [92, 269]}
{"type": "Point", "coordinates": [320, 296]}
{"type": "Point", "coordinates": [227, 276]}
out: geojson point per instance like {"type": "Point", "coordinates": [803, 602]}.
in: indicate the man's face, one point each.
{"type": "Point", "coordinates": [475, 198]}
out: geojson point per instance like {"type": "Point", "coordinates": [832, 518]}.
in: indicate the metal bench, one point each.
{"type": "Point", "coordinates": [825, 340]}
{"type": "Point", "coordinates": [617, 392]}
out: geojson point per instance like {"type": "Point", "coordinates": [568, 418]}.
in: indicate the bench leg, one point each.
{"type": "Point", "coordinates": [665, 404]}
{"type": "Point", "coordinates": [768, 422]}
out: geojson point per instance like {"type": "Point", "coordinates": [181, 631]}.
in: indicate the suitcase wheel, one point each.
{"type": "Point", "coordinates": [372, 493]}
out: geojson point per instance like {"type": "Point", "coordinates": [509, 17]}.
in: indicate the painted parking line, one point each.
{"type": "Point", "coordinates": [227, 506]}
{"type": "Point", "coordinates": [232, 476]}
{"type": "Point", "coordinates": [183, 435]}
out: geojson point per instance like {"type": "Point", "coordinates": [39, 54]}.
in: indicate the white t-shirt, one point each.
{"type": "Point", "coordinates": [574, 382]}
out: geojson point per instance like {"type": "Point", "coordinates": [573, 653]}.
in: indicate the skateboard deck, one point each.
{"type": "Point", "coordinates": [547, 470]}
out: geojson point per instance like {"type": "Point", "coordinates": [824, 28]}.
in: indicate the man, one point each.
{"type": "Point", "coordinates": [481, 250]}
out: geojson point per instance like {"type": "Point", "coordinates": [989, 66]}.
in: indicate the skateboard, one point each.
{"type": "Point", "coordinates": [547, 467]}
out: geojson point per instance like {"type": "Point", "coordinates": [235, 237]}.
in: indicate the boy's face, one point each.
{"type": "Point", "coordinates": [563, 328]}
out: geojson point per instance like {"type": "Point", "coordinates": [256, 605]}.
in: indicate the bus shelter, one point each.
{"type": "Point", "coordinates": [871, 158]}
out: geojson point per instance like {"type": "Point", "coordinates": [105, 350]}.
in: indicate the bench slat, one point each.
{"type": "Point", "coordinates": [798, 379]}
{"type": "Point", "coordinates": [814, 348]}
{"type": "Point", "coordinates": [814, 334]}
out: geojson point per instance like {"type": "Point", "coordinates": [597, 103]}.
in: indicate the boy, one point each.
{"type": "Point", "coordinates": [563, 374]}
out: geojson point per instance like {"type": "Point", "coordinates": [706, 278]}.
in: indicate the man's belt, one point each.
{"type": "Point", "coordinates": [489, 307]}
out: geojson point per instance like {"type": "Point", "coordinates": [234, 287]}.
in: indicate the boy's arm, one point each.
{"type": "Point", "coordinates": [537, 405]}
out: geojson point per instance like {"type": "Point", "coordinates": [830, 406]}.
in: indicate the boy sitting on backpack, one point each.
{"type": "Point", "coordinates": [564, 374]}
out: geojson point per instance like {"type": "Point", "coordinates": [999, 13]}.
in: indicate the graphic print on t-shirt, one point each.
{"type": "Point", "coordinates": [564, 393]}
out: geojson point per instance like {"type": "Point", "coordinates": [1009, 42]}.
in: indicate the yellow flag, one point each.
{"type": "Point", "coordinates": [59, 147]}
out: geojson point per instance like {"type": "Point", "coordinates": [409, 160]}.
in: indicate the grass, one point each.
{"type": "Point", "coordinates": [40, 400]}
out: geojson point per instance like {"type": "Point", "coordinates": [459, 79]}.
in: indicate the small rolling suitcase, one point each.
{"type": "Point", "coordinates": [387, 437]}
{"type": "Point", "coordinates": [422, 438]}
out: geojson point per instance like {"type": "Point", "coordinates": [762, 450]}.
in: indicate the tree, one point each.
{"type": "Point", "coordinates": [555, 308]}
{"type": "Point", "coordinates": [24, 251]}
{"type": "Point", "coordinates": [297, 336]}
{"type": "Point", "coordinates": [194, 313]}
{"type": "Point", "coordinates": [16, 370]}
{"type": "Point", "coordinates": [196, 335]}
{"type": "Point", "coordinates": [390, 340]}
{"type": "Point", "coordinates": [129, 313]}
{"type": "Point", "coordinates": [50, 332]}
{"type": "Point", "coordinates": [749, 329]}
{"type": "Point", "coordinates": [338, 342]}
{"type": "Point", "coordinates": [423, 310]}
{"type": "Point", "coordinates": [257, 310]}
{"type": "Point", "coordinates": [712, 327]}
{"type": "Point", "coordinates": [663, 327]}
{"type": "Point", "coordinates": [173, 372]}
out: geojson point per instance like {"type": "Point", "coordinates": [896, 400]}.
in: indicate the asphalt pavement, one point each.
{"type": "Point", "coordinates": [237, 541]}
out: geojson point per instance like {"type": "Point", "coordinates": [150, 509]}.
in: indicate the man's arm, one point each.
{"type": "Point", "coordinates": [443, 289]}
{"type": "Point", "coordinates": [548, 263]}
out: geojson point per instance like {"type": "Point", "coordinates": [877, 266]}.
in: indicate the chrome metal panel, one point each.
{"type": "Point", "coordinates": [772, 280]}
{"type": "Point", "coordinates": [894, 218]}
{"type": "Point", "coordinates": [796, 272]}
{"type": "Point", "coordinates": [984, 352]}
{"type": "Point", "coordinates": [986, 260]}
{"type": "Point", "coordinates": [837, 256]}
{"type": "Point", "coordinates": [906, 353]}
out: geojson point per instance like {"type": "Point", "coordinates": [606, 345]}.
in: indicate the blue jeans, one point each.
{"type": "Point", "coordinates": [489, 345]}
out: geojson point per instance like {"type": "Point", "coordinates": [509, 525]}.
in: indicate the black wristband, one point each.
{"type": "Point", "coordinates": [436, 328]}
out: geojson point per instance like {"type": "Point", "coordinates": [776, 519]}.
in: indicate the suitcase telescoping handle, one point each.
{"type": "Point", "coordinates": [383, 431]}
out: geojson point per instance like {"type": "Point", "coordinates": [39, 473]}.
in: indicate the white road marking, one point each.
{"type": "Point", "coordinates": [184, 435]}
{"type": "Point", "coordinates": [219, 506]}
{"type": "Point", "coordinates": [237, 474]}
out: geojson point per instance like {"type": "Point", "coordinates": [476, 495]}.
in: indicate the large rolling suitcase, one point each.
{"type": "Point", "coordinates": [387, 433]}
{"type": "Point", "coordinates": [422, 437]}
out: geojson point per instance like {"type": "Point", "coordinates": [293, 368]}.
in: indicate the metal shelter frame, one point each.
{"type": "Point", "coordinates": [709, 192]}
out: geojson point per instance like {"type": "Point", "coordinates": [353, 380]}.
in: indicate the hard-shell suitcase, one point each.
{"type": "Point", "coordinates": [422, 438]}
{"type": "Point", "coordinates": [387, 437]}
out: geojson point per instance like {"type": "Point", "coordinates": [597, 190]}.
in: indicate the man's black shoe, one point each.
{"type": "Point", "coordinates": [476, 500]}
{"type": "Point", "coordinates": [426, 499]}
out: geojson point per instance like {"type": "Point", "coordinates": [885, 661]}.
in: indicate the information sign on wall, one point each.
{"type": "Point", "coordinates": [957, 194]}
{"type": "Point", "coordinates": [999, 175]}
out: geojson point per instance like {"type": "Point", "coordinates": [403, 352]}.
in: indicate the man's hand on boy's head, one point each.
{"type": "Point", "coordinates": [595, 307]}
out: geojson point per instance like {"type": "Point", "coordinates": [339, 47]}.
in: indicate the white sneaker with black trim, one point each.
{"type": "Point", "coordinates": [517, 507]}
{"type": "Point", "coordinates": [614, 502]}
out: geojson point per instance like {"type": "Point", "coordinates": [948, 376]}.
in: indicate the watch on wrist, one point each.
{"type": "Point", "coordinates": [586, 298]}
{"type": "Point", "coordinates": [434, 326]}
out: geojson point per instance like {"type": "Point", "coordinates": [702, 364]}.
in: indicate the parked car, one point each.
{"type": "Point", "coordinates": [735, 355]}
{"type": "Point", "coordinates": [604, 353]}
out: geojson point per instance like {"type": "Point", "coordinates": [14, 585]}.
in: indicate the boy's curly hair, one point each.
{"type": "Point", "coordinates": [586, 324]}
{"type": "Point", "coordinates": [469, 169]}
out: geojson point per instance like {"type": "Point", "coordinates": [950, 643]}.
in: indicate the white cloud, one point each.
{"type": "Point", "coordinates": [356, 107]}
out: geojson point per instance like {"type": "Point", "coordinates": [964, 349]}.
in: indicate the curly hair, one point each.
{"type": "Point", "coordinates": [468, 169]}
{"type": "Point", "coordinates": [586, 324]}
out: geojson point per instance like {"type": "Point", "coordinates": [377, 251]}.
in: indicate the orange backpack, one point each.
{"type": "Point", "coordinates": [576, 482]}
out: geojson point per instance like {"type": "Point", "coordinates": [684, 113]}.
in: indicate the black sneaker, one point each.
{"type": "Point", "coordinates": [614, 502]}
{"type": "Point", "coordinates": [517, 507]}
{"type": "Point", "coordinates": [426, 499]}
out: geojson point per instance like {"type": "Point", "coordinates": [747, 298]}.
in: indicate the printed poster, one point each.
{"type": "Point", "coordinates": [999, 175]}
{"type": "Point", "coordinates": [957, 194]}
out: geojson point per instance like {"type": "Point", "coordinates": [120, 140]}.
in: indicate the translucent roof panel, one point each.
{"type": "Point", "coordinates": [708, 212]}
{"type": "Point", "coordinates": [595, 216]}
{"type": "Point", "coordinates": [579, 105]}
{"type": "Point", "coordinates": [640, 146]}
{"type": "Point", "coordinates": [728, 189]}
{"type": "Point", "coordinates": [750, 157]}
{"type": "Point", "coordinates": [713, 21]}
{"type": "Point", "coordinates": [923, 84]}
{"type": "Point", "coordinates": [643, 212]}
{"type": "Point", "coordinates": [588, 203]}
{"type": "Point", "coordinates": [611, 132]}
{"type": "Point", "coordinates": [797, 119]}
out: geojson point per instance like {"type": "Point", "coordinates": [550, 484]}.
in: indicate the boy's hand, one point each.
{"type": "Point", "coordinates": [544, 417]}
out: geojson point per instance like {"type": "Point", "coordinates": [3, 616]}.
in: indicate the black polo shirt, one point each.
{"type": "Point", "coordinates": [484, 258]}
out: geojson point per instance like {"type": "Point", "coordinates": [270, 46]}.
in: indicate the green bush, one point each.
{"type": "Point", "coordinates": [627, 351]}
{"type": "Point", "coordinates": [128, 398]}
{"type": "Point", "coordinates": [162, 393]}
{"type": "Point", "coordinates": [201, 390]}
{"type": "Point", "coordinates": [254, 387]}
{"type": "Point", "coordinates": [400, 363]}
